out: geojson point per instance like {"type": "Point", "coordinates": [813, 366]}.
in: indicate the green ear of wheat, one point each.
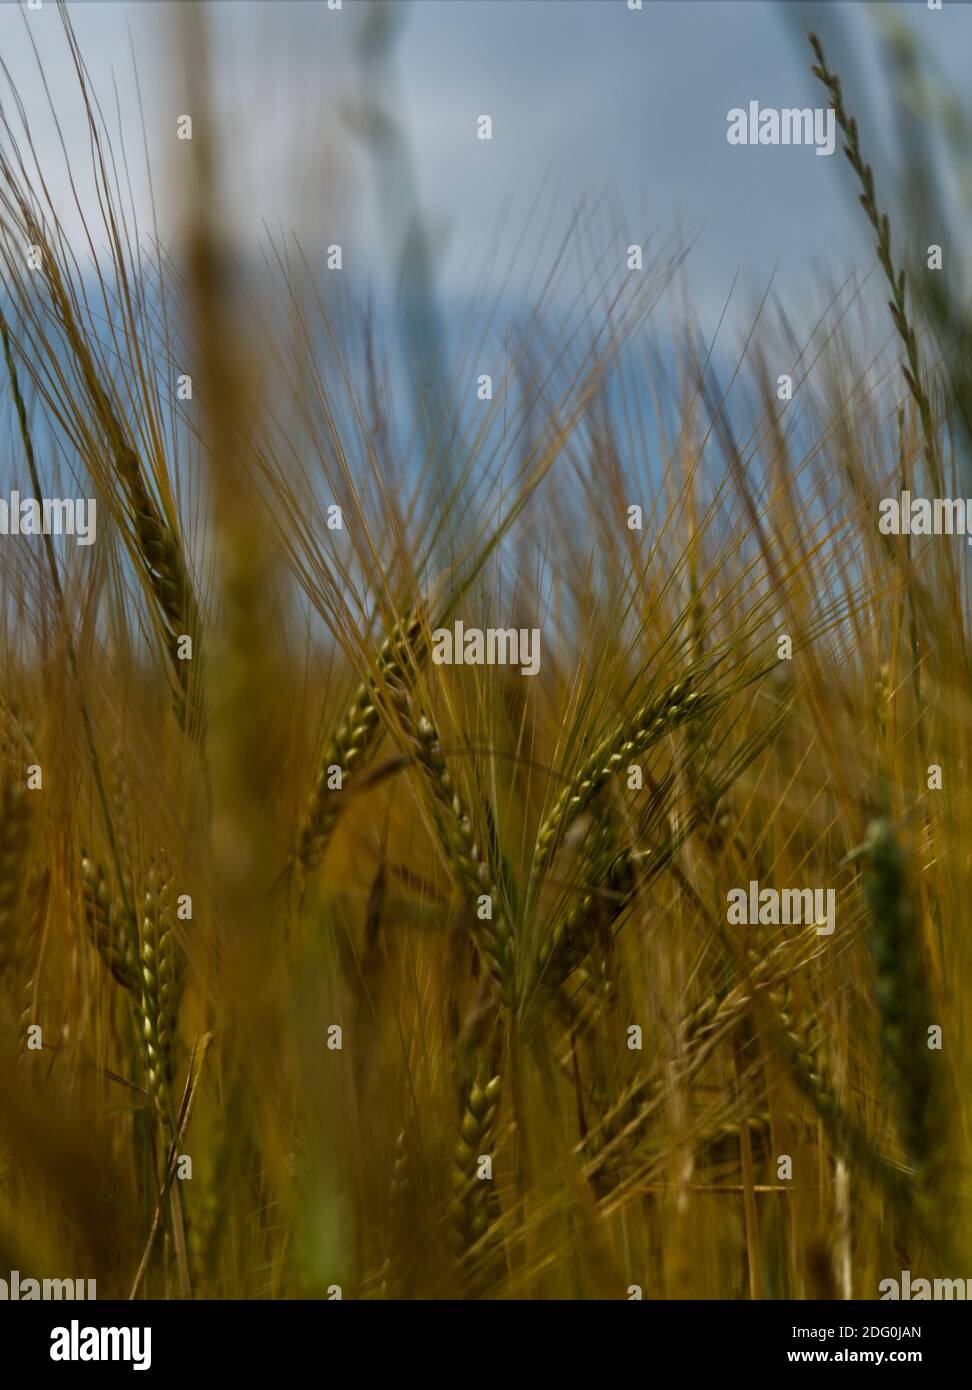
{"type": "Point", "coordinates": [635, 736]}
{"type": "Point", "coordinates": [351, 747]}
{"type": "Point", "coordinates": [470, 871]}
{"type": "Point", "coordinates": [159, 977]}
{"type": "Point", "coordinates": [902, 994]}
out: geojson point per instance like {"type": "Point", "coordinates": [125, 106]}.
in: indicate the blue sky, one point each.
{"type": "Point", "coordinates": [590, 102]}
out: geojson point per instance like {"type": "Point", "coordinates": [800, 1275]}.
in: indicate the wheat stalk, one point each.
{"type": "Point", "coordinates": [896, 280]}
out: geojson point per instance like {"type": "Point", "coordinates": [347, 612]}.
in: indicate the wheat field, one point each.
{"type": "Point", "coordinates": [332, 965]}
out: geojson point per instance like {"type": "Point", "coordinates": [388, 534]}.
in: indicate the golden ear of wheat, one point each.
{"type": "Point", "coordinates": [469, 1205]}
{"type": "Point", "coordinates": [104, 920]}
